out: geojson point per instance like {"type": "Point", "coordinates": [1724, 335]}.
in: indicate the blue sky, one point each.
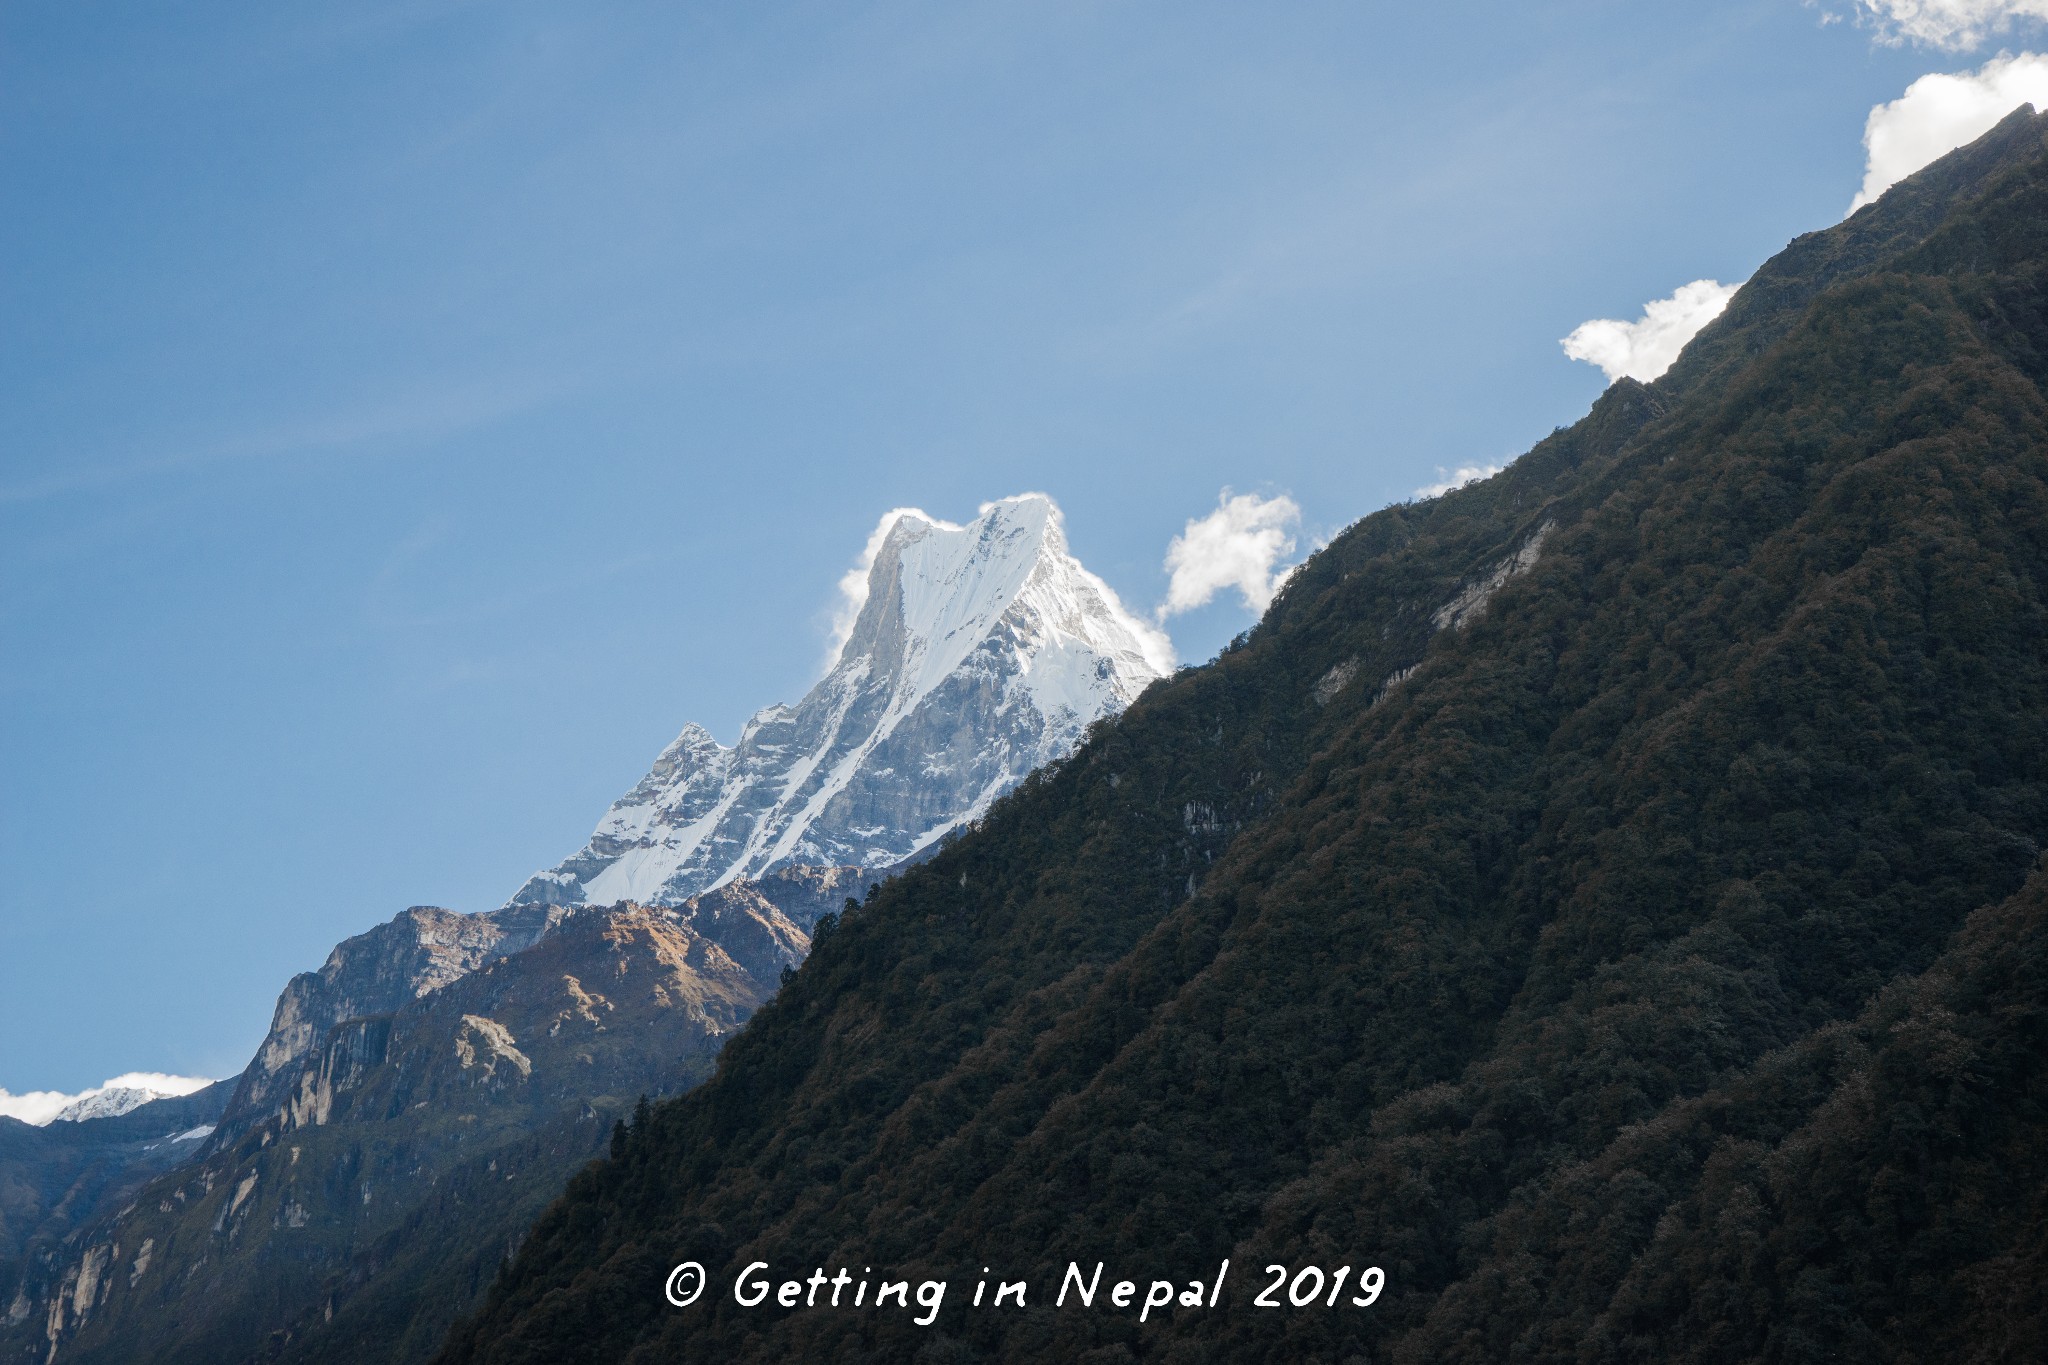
{"type": "Point", "coordinates": [415, 413]}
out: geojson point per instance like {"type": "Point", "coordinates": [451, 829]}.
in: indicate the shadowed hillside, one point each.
{"type": "Point", "coordinates": [1602, 897]}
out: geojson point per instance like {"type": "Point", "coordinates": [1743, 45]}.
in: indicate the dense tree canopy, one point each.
{"type": "Point", "coordinates": [1604, 898]}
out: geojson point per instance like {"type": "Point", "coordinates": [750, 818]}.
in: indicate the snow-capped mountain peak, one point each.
{"type": "Point", "coordinates": [115, 1096]}
{"type": "Point", "coordinates": [975, 654]}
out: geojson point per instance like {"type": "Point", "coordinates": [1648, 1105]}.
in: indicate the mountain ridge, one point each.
{"type": "Point", "coordinates": [359, 1198]}
{"type": "Point", "coordinates": [55, 1178]}
{"type": "Point", "coordinates": [977, 653]}
{"type": "Point", "coordinates": [1511, 954]}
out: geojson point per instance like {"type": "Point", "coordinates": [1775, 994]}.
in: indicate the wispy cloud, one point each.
{"type": "Point", "coordinates": [1645, 348]}
{"type": "Point", "coordinates": [1942, 112]}
{"type": "Point", "coordinates": [41, 1106]}
{"type": "Point", "coordinates": [1236, 546]}
{"type": "Point", "coordinates": [418, 416]}
{"type": "Point", "coordinates": [1334, 232]}
{"type": "Point", "coordinates": [1954, 25]}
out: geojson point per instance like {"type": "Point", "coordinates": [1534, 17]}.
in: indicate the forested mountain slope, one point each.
{"type": "Point", "coordinates": [1606, 898]}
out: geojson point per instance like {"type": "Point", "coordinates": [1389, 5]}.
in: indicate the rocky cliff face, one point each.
{"type": "Point", "coordinates": [363, 1192]}
{"type": "Point", "coordinates": [426, 948]}
{"type": "Point", "coordinates": [421, 1094]}
{"type": "Point", "coordinates": [413, 955]}
{"type": "Point", "coordinates": [980, 653]}
{"type": "Point", "coordinates": [58, 1176]}
{"type": "Point", "coordinates": [801, 892]}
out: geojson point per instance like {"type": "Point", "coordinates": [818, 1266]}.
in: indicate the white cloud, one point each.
{"type": "Point", "coordinates": [1645, 348]}
{"type": "Point", "coordinates": [40, 1106]}
{"type": "Point", "coordinates": [1235, 546]}
{"type": "Point", "coordinates": [1458, 478]}
{"type": "Point", "coordinates": [1956, 25]}
{"type": "Point", "coordinates": [1940, 113]}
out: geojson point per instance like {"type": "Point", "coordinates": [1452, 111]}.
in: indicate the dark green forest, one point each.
{"type": "Point", "coordinates": [1607, 898]}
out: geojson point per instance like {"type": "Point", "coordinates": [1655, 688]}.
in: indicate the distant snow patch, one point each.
{"type": "Point", "coordinates": [116, 1095]}
{"type": "Point", "coordinates": [1645, 348]}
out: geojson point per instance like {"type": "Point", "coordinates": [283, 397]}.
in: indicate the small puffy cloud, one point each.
{"type": "Point", "coordinates": [1941, 112]}
{"type": "Point", "coordinates": [1645, 348]}
{"type": "Point", "coordinates": [1956, 25]}
{"type": "Point", "coordinates": [1458, 478]}
{"type": "Point", "coordinates": [1237, 546]}
{"type": "Point", "coordinates": [38, 1107]}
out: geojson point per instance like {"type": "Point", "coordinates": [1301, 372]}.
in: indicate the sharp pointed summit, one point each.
{"type": "Point", "coordinates": [975, 654]}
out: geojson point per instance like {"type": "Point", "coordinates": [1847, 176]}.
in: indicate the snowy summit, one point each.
{"type": "Point", "coordinates": [977, 654]}
{"type": "Point", "coordinates": [110, 1098]}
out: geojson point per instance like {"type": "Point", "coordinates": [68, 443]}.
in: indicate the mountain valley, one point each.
{"type": "Point", "coordinates": [1605, 898]}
